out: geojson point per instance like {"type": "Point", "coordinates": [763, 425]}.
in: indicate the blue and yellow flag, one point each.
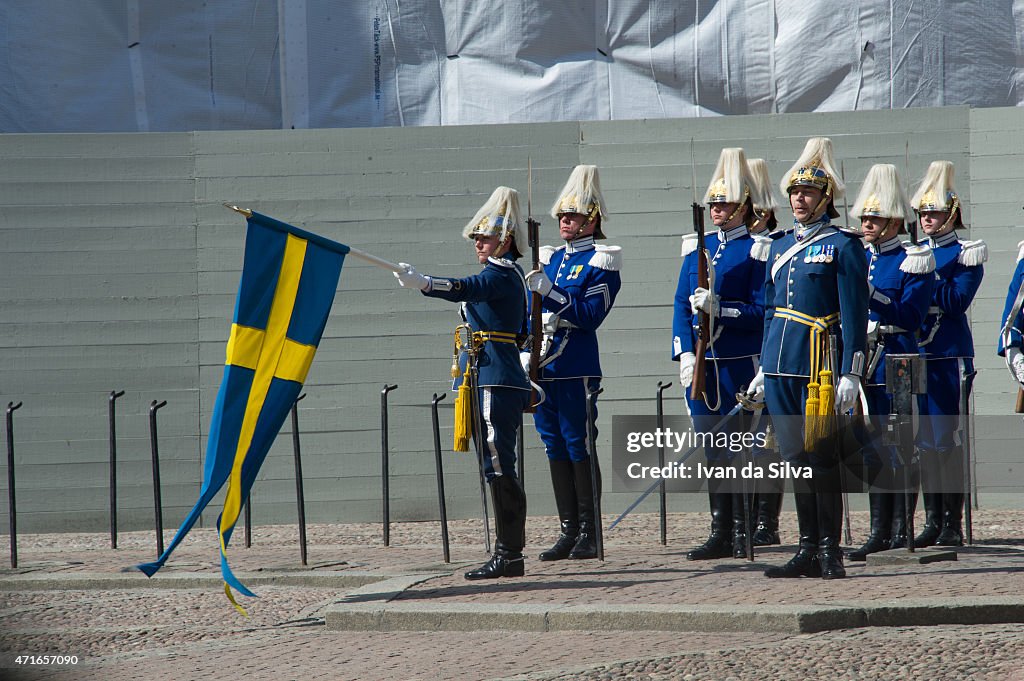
{"type": "Point", "coordinates": [289, 277]}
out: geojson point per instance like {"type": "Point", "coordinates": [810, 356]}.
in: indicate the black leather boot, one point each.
{"type": "Point", "coordinates": [564, 485]}
{"type": "Point", "coordinates": [830, 558]}
{"type": "Point", "coordinates": [719, 542]}
{"type": "Point", "coordinates": [805, 562]}
{"type": "Point", "coordinates": [899, 518]}
{"type": "Point", "coordinates": [830, 528]}
{"type": "Point", "coordinates": [769, 506]}
{"type": "Point", "coordinates": [932, 520]}
{"type": "Point", "coordinates": [503, 563]}
{"type": "Point", "coordinates": [881, 526]}
{"type": "Point", "coordinates": [952, 533]}
{"type": "Point", "coordinates": [510, 530]}
{"type": "Point", "coordinates": [931, 491]}
{"type": "Point", "coordinates": [739, 524]}
{"type": "Point", "coordinates": [952, 471]}
{"type": "Point", "coordinates": [586, 543]}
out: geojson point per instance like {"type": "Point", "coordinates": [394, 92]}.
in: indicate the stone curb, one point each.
{"type": "Point", "coordinates": [84, 581]}
{"type": "Point", "coordinates": [796, 619]}
{"type": "Point", "coordinates": [368, 605]}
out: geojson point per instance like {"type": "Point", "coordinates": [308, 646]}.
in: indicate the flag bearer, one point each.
{"type": "Point", "coordinates": [494, 306]}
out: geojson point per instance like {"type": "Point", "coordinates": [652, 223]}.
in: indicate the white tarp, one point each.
{"type": "Point", "coordinates": [126, 65]}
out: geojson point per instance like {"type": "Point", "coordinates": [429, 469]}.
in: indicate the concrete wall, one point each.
{"type": "Point", "coordinates": [119, 269]}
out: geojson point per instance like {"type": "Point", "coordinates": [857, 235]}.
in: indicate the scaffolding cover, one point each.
{"type": "Point", "coordinates": [128, 65]}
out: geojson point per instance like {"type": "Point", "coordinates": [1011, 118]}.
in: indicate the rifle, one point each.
{"type": "Point", "coordinates": [697, 387]}
{"type": "Point", "coordinates": [846, 208]}
{"type": "Point", "coordinates": [533, 236]}
{"type": "Point", "coordinates": [911, 224]}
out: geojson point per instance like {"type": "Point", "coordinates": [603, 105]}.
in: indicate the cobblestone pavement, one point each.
{"type": "Point", "coordinates": [170, 634]}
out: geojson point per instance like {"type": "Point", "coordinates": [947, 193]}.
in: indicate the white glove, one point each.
{"type": "Point", "coordinates": [538, 282]}
{"type": "Point", "coordinates": [524, 360]}
{"type": "Point", "coordinates": [755, 391]}
{"type": "Point", "coordinates": [872, 329]}
{"type": "Point", "coordinates": [687, 360]}
{"type": "Point", "coordinates": [410, 278]}
{"type": "Point", "coordinates": [1015, 360]}
{"type": "Point", "coordinates": [847, 393]}
{"type": "Point", "coordinates": [704, 301]}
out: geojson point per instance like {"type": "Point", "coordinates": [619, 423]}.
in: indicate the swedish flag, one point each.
{"type": "Point", "coordinates": [289, 277]}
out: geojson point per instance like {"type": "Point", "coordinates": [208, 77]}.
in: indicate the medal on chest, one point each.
{"type": "Point", "coordinates": [574, 272]}
{"type": "Point", "coordinates": [818, 253]}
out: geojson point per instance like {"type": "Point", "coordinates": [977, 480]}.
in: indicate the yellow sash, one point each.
{"type": "Point", "coordinates": [819, 411]}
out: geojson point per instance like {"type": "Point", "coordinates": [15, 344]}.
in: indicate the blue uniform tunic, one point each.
{"type": "Point", "coordinates": [1012, 333]}
{"type": "Point", "coordinates": [738, 260]}
{"type": "Point", "coordinates": [585, 281]}
{"type": "Point", "coordinates": [494, 300]}
{"type": "Point", "coordinates": [902, 277]}
{"type": "Point", "coordinates": [739, 264]}
{"type": "Point", "coordinates": [902, 282]}
{"type": "Point", "coordinates": [946, 338]}
{"type": "Point", "coordinates": [817, 273]}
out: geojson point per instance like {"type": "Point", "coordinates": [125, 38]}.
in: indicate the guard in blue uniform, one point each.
{"type": "Point", "coordinates": [764, 229]}
{"type": "Point", "coordinates": [816, 303]}
{"type": "Point", "coordinates": [949, 350]}
{"type": "Point", "coordinates": [736, 312]}
{"type": "Point", "coordinates": [494, 306]}
{"type": "Point", "coordinates": [763, 199]}
{"type": "Point", "coordinates": [578, 284]}
{"type": "Point", "coordinates": [1010, 336]}
{"type": "Point", "coordinates": [900, 278]}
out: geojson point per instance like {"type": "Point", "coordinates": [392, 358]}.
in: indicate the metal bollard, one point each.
{"type": "Point", "coordinates": [157, 505]}
{"type": "Point", "coordinates": [440, 477]}
{"type": "Point", "coordinates": [385, 473]}
{"type": "Point", "coordinates": [300, 496]}
{"type": "Point", "coordinates": [11, 505]}
{"type": "Point", "coordinates": [662, 505]}
{"type": "Point", "coordinates": [595, 471]}
{"type": "Point", "coordinates": [114, 394]}
{"type": "Point", "coordinates": [970, 498]}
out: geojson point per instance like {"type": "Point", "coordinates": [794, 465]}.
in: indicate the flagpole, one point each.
{"type": "Point", "coordinates": [362, 255]}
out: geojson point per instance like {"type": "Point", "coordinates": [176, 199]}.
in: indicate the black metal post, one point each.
{"type": "Point", "coordinates": [662, 505]}
{"type": "Point", "coordinates": [385, 482]}
{"type": "Point", "coordinates": [595, 471]}
{"type": "Point", "coordinates": [300, 497]}
{"type": "Point", "coordinates": [970, 499]}
{"type": "Point", "coordinates": [12, 512]}
{"type": "Point", "coordinates": [114, 394]}
{"type": "Point", "coordinates": [440, 477]}
{"type": "Point", "coordinates": [157, 504]}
